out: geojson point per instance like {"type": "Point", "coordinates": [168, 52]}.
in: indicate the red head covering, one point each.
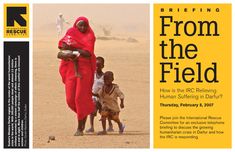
{"type": "Point", "coordinates": [81, 18]}
{"type": "Point", "coordinates": [84, 41]}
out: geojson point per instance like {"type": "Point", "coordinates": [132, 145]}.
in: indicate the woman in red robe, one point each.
{"type": "Point", "coordinates": [79, 89]}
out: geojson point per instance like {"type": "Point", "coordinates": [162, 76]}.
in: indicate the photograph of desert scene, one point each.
{"type": "Point", "coordinates": [123, 40]}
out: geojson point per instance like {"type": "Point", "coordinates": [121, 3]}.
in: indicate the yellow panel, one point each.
{"type": "Point", "coordinates": [192, 76]}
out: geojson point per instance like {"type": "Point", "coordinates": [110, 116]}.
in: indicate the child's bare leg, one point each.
{"type": "Point", "coordinates": [77, 73]}
{"type": "Point", "coordinates": [91, 123]}
{"type": "Point", "coordinates": [104, 124]}
{"type": "Point", "coordinates": [120, 125]}
{"type": "Point", "coordinates": [103, 120]}
{"type": "Point", "coordinates": [110, 129]}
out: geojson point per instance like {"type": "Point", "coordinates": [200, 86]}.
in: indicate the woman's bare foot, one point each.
{"type": "Point", "coordinates": [78, 133]}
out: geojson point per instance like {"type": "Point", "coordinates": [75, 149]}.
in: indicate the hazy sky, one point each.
{"type": "Point", "coordinates": [123, 18]}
